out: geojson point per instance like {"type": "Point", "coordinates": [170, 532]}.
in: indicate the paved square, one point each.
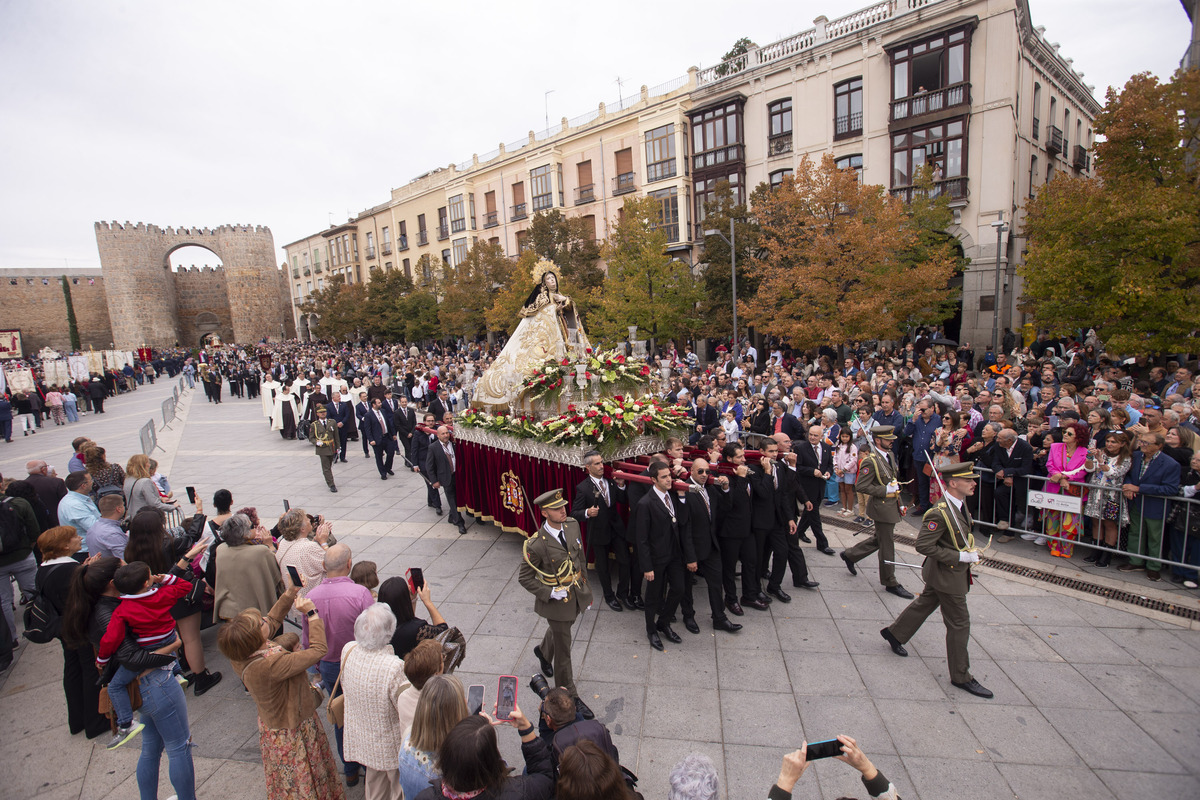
{"type": "Point", "coordinates": [1092, 701]}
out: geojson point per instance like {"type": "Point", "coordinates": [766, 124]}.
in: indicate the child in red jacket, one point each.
{"type": "Point", "coordinates": [145, 610]}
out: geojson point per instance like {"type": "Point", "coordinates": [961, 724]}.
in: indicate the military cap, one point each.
{"type": "Point", "coordinates": [551, 499]}
{"type": "Point", "coordinates": [883, 432]}
{"type": "Point", "coordinates": [965, 471]}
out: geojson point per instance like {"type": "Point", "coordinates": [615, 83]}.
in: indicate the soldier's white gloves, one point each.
{"type": "Point", "coordinates": [561, 594]}
{"type": "Point", "coordinates": [893, 487]}
{"type": "Point", "coordinates": [968, 558]}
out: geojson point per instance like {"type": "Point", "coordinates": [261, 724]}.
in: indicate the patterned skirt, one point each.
{"type": "Point", "coordinates": [299, 763]}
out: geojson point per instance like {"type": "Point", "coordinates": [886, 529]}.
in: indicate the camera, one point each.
{"type": "Point", "coordinates": [539, 685]}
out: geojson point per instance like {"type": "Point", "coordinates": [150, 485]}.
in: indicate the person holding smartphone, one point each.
{"type": "Point", "coordinates": [795, 762]}
{"type": "Point", "coordinates": [554, 571]}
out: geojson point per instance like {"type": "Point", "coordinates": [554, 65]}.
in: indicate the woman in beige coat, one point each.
{"type": "Point", "coordinates": [373, 681]}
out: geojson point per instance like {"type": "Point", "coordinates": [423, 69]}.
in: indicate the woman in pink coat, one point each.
{"type": "Point", "coordinates": [1066, 462]}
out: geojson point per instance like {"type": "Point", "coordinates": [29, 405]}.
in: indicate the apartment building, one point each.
{"type": "Point", "coordinates": [970, 87]}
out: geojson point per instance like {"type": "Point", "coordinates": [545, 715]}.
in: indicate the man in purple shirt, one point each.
{"type": "Point", "coordinates": [339, 601]}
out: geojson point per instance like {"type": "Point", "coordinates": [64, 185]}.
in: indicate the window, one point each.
{"type": "Point", "coordinates": [407, 268]}
{"type": "Point", "coordinates": [490, 216]}
{"type": "Point", "coordinates": [541, 183]}
{"type": "Point", "coordinates": [522, 241]}
{"type": "Point", "coordinates": [387, 267]}
{"type": "Point", "coordinates": [705, 191]}
{"type": "Point", "coordinates": [402, 237]}
{"type": "Point", "coordinates": [386, 236]}
{"type": "Point", "coordinates": [660, 153]}
{"type": "Point", "coordinates": [669, 214]}
{"type": "Point", "coordinates": [518, 209]}
{"type": "Point", "coordinates": [930, 75]}
{"type": "Point", "coordinates": [446, 257]}
{"type": "Point", "coordinates": [370, 245]}
{"type": "Point", "coordinates": [422, 232]}
{"type": "Point", "coordinates": [1053, 110]}
{"type": "Point", "coordinates": [777, 177]}
{"type": "Point", "coordinates": [458, 222]}
{"type": "Point", "coordinates": [354, 241]}
{"type": "Point", "coordinates": [1066, 129]}
{"type": "Point", "coordinates": [1037, 105]}
{"type": "Point", "coordinates": [471, 208]}
{"type": "Point", "coordinates": [320, 284]}
{"type": "Point", "coordinates": [854, 162]}
{"type": "Point", "coordinates": [460, 251]}
{"type": "Point", "coordinates": [779, 119]}
{"type": "Point", "coordinates": [717, 136]}
{"type": "Point", "coordinates": [624, 180]}
{"type": "Point", "coordinates": [589, 224]}
{"type": "Point", "coordinates": [848, 108]}
{"type": "Point", "coordinates": [305, 254]}
{"type": "Point", "coordinates": [940, 146]}
{"type": "Point", "coordinates": [308, 287]}
{"type": "Point", "coordinates": [1032, 173]}
{"type": "Point", "coordinates": [443, 231]}
{"type": "Point", "coordinates": [585, 190]}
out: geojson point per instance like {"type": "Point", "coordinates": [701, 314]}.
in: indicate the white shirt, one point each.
{"type": "Point", "coordinates": [663, 497]}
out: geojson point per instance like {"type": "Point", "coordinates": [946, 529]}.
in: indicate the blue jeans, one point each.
{"type": "Point", "coordinates": [164, 712]}
{"type": "Point", "coordinates": [329, 672]}
{"type": "Point", "coordinates": [118, 695]}
{"type": "Point", "coordinates": [921, 499]}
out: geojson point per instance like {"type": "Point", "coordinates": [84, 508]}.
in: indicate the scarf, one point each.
{"type": "Point", "coordinates": [450, 794]}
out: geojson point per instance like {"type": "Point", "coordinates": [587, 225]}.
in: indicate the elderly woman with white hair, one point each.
{"type": "Point", "coordinates": [694, 778]}
{"type": "Point", "coordinates": [372, 681]}
{"type": "Point", "coordinates": [247, 574]}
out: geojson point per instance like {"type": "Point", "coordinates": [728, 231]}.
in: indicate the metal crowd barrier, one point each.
{"type": "Point", "coordinates": [149, 437]}
{"type": "Point", "coordinates": [168, 411]}
{"type": "Point", "coordinates": [1028, 507]}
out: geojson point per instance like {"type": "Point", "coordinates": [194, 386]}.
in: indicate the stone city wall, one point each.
{"type": "Point", "coordinates": [32, 302]}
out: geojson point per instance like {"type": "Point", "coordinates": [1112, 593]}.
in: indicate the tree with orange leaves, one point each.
{"type": "Point", "coordinates": [839, 261]}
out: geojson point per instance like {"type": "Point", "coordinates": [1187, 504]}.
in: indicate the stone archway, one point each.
{"type": "Point", "coordinates": [145, 296]}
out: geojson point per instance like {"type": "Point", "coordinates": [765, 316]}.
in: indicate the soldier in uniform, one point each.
{"type": "Point", "coordinates": [326, 439]}
{"type": "Point", "coordinates": [949, 549]}
{"type": "Point", "coordinates": [554, 571]}
{"type": "Point", "coordinates": [877, 480]}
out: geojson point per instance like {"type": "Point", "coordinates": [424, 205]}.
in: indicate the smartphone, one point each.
{"type": "Point", "coordinates": [286, 506]}
{"type": "Point", "coordinates": [1053, 420]}
{"type": "Point", "coordinates": [191, 490]}
{"type": "Point", "coordinates": [506, 696]}
{"type": "Point", "coordinates": [475, 698]}
{"type": "Point", "coordinates": [294, 574]}
{"type": "Point", "coordinates": [826, 749]}
{"type": "Point", "coordinates": [416, 579]}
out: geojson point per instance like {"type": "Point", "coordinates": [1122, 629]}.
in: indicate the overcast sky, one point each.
{"type": "Point", "coordinates": [293, 114]}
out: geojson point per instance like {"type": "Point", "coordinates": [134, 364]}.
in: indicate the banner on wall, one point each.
{"type": "Point", "coordinates": [95, 361]}
{"type": "Point", "coordinates": [55, 372]}
{"type": "Point", "coordinates": [20, 380]}
{"type": "Point", "coordinates": [144, 354]}
{"type": "Point", "coordinates": [10, 344]}
{"type": "Point", "coordinates": [77, 367]}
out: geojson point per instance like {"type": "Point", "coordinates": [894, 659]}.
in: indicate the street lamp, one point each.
{"type": "Point", "coordinates": [1001, 226]}
{"type": "Point", "coordinates": [733, 269]}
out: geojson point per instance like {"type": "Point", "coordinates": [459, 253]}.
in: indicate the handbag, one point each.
{"type": "Point", "coordinates": [335, 711]}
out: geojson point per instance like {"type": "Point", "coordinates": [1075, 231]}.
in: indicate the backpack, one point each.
{"type": "Point", "coordinates": [12, 529]}
{"type": "Point", "coordinates": [43, 623]}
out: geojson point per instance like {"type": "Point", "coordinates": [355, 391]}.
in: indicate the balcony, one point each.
{"type": "Point", "coordinates": [779, 144]}
{"type": "Point", "coordinates": [585, 194]}
{"type": "Point", "coordinates": [1079, 158]}
{"type": "Point", "coordinates": [296, 273]}
{"type": "Point", "coordinates": [402, 242]}
{"type": "Point", "coordinates": [956, 94]}
{"type": "Point", "coordinates": [624, 183]}
{"type": "Point", "coordinates": [730, 154]}
{"type": "Point", "coordinates": [443, 232]}
{"type": "Point", "coordinates": [387, 248]}
{"type": "Point", "coordinates": [660, 170]}
{"type": "Point", "coordinates": [671, 230]}
{"type": "Point", "coordinates": [1054, 140]}
{"type": "Point", "coordinates": [1037, 127]}
{"type": "Point", "coordinates": [370, 253]}
{"type": "Point", "coordinates": [318, 269]}
{"type": "Point", "coordinates": [307, 272]}
{"type": "Point", "coordinates": [458, 225]}
{"type": "Point", "coordinates": [518, 211]}
{"type": "Point", "coordinates": [422, 237]}
{"type": "Point", "coordinates": [954, 188]}
{"type": "Point", "coordinates": [541, 202]}
{"type": "Point", "coordinates": [491, 219]}
{"type": "Point", "coordinates": [847, 126]}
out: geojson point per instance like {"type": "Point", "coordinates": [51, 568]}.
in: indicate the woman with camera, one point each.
{"type": "Point", "coordinates": [441, 707]}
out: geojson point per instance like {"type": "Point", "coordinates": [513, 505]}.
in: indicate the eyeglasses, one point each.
{"type": "Point", "coordinates": [701, 472]}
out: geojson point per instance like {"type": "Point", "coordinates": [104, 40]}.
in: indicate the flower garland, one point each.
{"type": "Point", "coordinates": [611, 366]}
{"type": "Point", "coordinates": [605, 424]}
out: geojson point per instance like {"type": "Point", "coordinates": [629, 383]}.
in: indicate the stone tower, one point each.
{"type": "Point", "coordinates": [143, 304]}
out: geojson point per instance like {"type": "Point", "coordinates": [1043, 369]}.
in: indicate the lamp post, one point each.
{"type": "Point", "coordinates": [1001, 226]}
{"type": "Point", "coordinates": [733, 269]}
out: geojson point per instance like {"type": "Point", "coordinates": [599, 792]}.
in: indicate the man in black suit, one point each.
{"type": "Point", "coordinates": [342, 415]}
{"type": "Point", "coordinates": [440, 463]}
{"type": "Point", "coordinates": [814, 465]}
{"type": "Point", "coordinates": [361, 409]}
{"type": "Point", "coordinates": [595, 506]}
{"type": "Point", "coordinates": [663, 550]}
{"type": "Point", "coordinates": [773, 519]}
{"type": "Point", "coordinates": [1012, 460]}
{"type": "Point", "coordinates": [737, 542]}
{"type": "Point", "coordinates": [406, 423]}
{"type": "Point", "coordinates": [380, 432]}
{"type": "Point", "coordinates": [783, 422]}
{"type": "Point", "coordinates": [439, 405]}
{"type": "Point", "coordinates": [703, 504]}
{"type": "Point", "coordinates": [706, 418]}
{"type": "Point", "coordinates": [418, 455]}
{"type": "Point", "coordinates": [795, 501]}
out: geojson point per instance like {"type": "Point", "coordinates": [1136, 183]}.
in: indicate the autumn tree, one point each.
{"type": "Point", "coordinates": [340, 309]}
{"type": "Point", "coordinates": [1121, 252]}
{"type": "Point", "coordinates": [836, 261]}
{"type": "Point", "coordinates": [570, 242]}
{"type": "Point", "coordinates": [387, 305]}
{"type": "Point", "coordinates": [645, 286]}
{"type": "Point", "coordinates": [471, 288]}
{"type": "Point", "coordinates": [504, 313]}
{"type": "Point", "coordinates": [717, 305]}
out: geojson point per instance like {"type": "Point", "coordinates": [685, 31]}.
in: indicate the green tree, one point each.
{"type": "Point", "coordinates": [740, 48]}
{"type": "Point", "coordinates": [570, 242]}
{"type": "Point", "coordinates": [1121, 252]}
{"type": "Point", "coordinates": [506, 303]}
{"type": "Point", "coordinates": [421, 316]}
{"type": "Point", "coordinates": [717, 305]}
{"type": "Point", "coordinates": [72, 324]}
{"type": "Point", "coordinates": [471, 289]}
{"type": "Point", "coordinates": [340, 309]}
{"type": "Point", "coordinates": [645, 286]}
{"type": "Point", "coordinates": [840, 261]}
{"type": "Point", "coordinates": [386, 305]}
